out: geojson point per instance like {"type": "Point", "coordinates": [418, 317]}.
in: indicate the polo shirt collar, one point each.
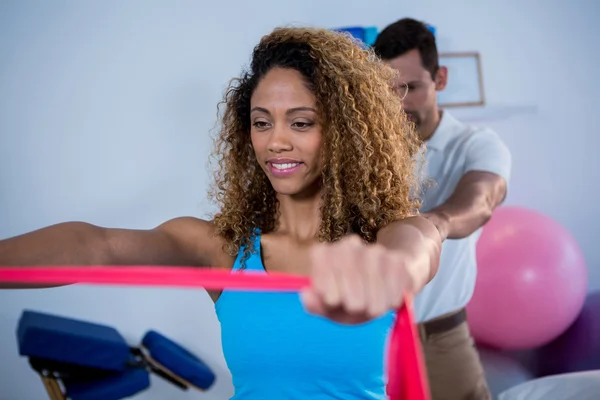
{"type": "Point", "coordinates": [444, 131]}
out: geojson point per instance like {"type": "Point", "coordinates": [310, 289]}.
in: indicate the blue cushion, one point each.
{"type": "Point", "coordinates": [69, 340]}
{"type": "Point", "coordinates": [178, 360]}
{"type": "Point", "coordinates": [115, 387]}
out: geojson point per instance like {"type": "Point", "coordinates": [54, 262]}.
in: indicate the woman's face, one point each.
{"type": "Point", "coordinates": [286, 133]}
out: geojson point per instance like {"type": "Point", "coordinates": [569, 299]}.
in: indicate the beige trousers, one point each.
{"type": "Point", "coordinates": [453, 366]}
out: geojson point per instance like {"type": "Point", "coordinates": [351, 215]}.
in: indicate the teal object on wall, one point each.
{"type": "Point", "coordinates": [371, 33]}
{"type": "Point", "coordinates": [368, 34]}
{"type": "Point", "coordinates": [357, 32]}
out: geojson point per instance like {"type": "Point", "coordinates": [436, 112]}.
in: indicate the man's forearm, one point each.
{"type": "Point", "coordinates": [470, 206]}
{"type": "Point", "coordinates": [457, 220]}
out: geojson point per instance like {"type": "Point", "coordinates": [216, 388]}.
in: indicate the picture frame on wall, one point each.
{"type": "Point", "coordinates": [465, 80]}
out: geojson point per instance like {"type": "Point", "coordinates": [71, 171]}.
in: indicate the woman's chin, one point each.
{"type": "Point", "coordinates": [294, 189]}
{"type": "Point", "coordinates": [287, 190]}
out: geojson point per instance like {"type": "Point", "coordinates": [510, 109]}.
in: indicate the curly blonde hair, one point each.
{"type": "Point", "coordinates": [369, 148]}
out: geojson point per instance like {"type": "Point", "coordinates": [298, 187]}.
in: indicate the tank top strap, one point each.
{"type": "Point", "coordinates": [254, 260]}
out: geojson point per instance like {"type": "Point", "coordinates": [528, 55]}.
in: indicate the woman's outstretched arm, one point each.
{"type": "Point", "coordinates": [419, 238]}
{"type": "Point", "coordinates": [353, 282]}
{"type": "Point", "coordinates": [180, 241]}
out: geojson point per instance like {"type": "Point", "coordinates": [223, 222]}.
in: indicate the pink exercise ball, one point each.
{"type": "Point", "coordinates": [531, 281]}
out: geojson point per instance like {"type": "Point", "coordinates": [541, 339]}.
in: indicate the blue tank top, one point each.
{"type": "Point", "coordinates": [274, 349]}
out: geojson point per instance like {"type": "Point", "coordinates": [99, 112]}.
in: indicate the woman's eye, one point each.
{"type": "Point", "coordinates": [302, 125]}
{"type": "Point", "coordinates": [260, 124]}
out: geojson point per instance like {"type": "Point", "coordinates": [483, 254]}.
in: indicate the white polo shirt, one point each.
{"type": "Point", "coordinates": [455, 149]}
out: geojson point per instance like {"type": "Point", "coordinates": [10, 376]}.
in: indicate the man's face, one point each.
{"type": "Point", "coordinates": [417, 87]}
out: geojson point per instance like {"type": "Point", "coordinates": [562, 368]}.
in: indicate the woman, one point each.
{"type": "Point", "coordinates": [316, 177]}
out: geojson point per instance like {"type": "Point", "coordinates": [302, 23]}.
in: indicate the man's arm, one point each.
{"type": "Point", "coordinates": [470, 206]}
{"type": "Point", "coordinates": [480, 190]}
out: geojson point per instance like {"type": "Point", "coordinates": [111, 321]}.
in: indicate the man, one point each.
{"type": "Point", "coordinates": [470, 168]}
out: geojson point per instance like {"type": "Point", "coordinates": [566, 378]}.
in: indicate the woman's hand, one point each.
{"type": "Point", "coordinates": [353, 282]}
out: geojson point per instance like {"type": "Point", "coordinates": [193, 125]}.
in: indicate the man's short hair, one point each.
{"type": "Point", "coordinates": [405, 35]}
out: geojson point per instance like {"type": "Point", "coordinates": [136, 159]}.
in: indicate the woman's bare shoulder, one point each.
{"type": "Point", "coordinates": [199, 238]}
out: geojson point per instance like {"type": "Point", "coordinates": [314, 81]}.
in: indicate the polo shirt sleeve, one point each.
{"type": "Point", "coordinates": [487, 152]}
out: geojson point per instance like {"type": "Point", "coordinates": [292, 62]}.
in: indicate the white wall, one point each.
{"type": "Point", "coordinates": [106, 107]}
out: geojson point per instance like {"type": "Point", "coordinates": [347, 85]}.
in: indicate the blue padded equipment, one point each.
{"type": "Point", "coordinates": [113, 387]}
{"type": "Point", "coordinates": [67, 340]}
{"type": "Point", "coordinates": [178, 360]}
{"type": "Point", "coordinates": [94, 362]}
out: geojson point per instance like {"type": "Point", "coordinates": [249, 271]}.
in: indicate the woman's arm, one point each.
{"type": "Point", "coordinates": [180, 241]}
{"type": "Point", "coordinates": [418, 237]}
{"type": "Point", "coordinates": [353, 282]}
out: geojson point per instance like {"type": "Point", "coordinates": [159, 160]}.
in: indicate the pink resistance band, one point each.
{"type": "Point", "coordinates": [407, 379]}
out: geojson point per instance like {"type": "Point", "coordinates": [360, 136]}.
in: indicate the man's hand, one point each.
{"type": "Point", "coordinates": [441, 222]}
